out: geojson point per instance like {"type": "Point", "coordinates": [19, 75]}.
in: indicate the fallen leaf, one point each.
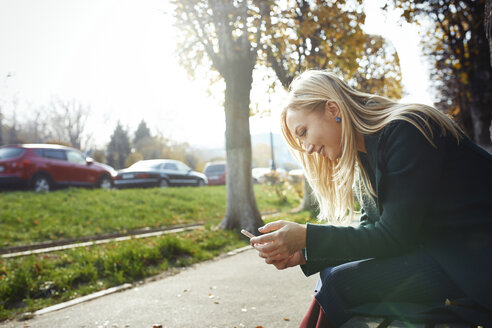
{"type": "Point", "coordinates": [450, 302]}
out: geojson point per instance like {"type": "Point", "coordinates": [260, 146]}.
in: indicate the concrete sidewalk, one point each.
{"type": "Point", "coordinates": [233, 291]}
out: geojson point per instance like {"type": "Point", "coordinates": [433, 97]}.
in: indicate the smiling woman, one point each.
{"type": "Point", "coordinates": [420, 181]}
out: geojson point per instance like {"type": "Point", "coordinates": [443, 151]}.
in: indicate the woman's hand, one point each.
{"type": "Point", "coordinates": [295, 259]}
{"type": "Point", "coordinates": [281, 240]}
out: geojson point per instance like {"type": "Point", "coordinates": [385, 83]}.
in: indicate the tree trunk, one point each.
{"type": "Point", "coordinates": [1, 127]}
{"type": "Point", "coordinates": [488, 25]}
{"type": "Point", "coordinates": [242, 211]}
{"type": "Point", "coordinates": [481, 94]}
{"type": "Point", "coordinates": [309, 202]}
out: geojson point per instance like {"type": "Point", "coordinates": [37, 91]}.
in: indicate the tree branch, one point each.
{"type": "Point", "coordinates": [203, 38]}
{"type": "Point", "coordinates": [264, 12]}
{"type": "Point", "coordinates": [223, 30]}
{"type": "Point", "coordinates": [282, 75]}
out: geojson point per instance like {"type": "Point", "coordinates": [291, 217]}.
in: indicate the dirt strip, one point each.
{"type": "Point", "coordinates": [52, 246]}
{"type": "Point", "coordinates": [94, 240]}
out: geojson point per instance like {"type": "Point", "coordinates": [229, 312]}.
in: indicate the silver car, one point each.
{"type": "Point", "coordinates": [159, 173]}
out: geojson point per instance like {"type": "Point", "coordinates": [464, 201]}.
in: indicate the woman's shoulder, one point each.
{"type": "Point", "coordinates": [401, 130]}
{"type": "Point", "coordinates": [427, 137]}
{"type": "Point", "coordinates": [399, 135]}
{"type": "Point", "coordinates": [401, 143]}
{"type": "Point", "coordinates": [421, 128]}
{"type": "Point", "coordinates": [412, 124]}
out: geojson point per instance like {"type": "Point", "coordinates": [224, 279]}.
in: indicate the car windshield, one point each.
{"type": "Point", "coordinates": [217, 168]}
{"type": "Point", "coordinates": [145, 165]}
{"type": "Point", "coordinates": [8, 153]}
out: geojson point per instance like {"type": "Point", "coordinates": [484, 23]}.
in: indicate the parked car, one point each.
{"type": "Point", "coordinates": [159, 173]}
{"type": "Point", "coordinates": [263, 174]}
{"type": "Point", "coordinates": [258, 174]}
{"type": "Point", "coordinates": [296, 175]}
{"type": "Point", "coordinates": [216, 173]}
{"type": "Point", "coordinates": [42, 167]}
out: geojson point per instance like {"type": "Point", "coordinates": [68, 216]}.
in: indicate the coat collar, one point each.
{"type": "Point", "coordinates": [371, 143]}
{"type": "Point", "coordinates": [372, 149]}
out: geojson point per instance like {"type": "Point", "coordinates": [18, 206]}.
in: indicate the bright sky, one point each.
{"type": "Point", "coordinates": [118, 57]}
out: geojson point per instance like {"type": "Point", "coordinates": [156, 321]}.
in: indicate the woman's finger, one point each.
{"type": "Point", "coordinates": [278, 257]}
{"type": "Point", "coordinates": [280, 264]}
{"type": "Point", "coordinates": [273, 261]}
{"type": "Point", "coordinates": [272, 226]}
{"type": "Point", "coordinates": [263, 254]}
{"type": "Point", "coordinates": [266, 248]}
{"type": "Point", "coordinates": [276, 253]}
{"type": "Point", "coordinates": [269, 238]}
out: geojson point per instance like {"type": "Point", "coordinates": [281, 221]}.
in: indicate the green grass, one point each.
{"type": "Point", "coordinates": [33, 282]}
{"type": "Point", "coordinates": [27, 217]}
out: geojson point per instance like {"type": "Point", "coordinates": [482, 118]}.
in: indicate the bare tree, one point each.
{"type": "Point", "coordinates": [14, 135]}
{"type": "Point", "coordinates": [36, 128]}
{"type": "Point", "coordinates": [1, 127]}
{"type": "Point", "coordinates": [68, 121]}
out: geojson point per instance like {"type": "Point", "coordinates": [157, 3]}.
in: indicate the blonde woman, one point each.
{"type": "Point", "coordinates": [423, 248]}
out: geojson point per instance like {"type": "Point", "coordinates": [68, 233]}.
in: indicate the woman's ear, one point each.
{"type": "Point", "coordinates": [332, 109]}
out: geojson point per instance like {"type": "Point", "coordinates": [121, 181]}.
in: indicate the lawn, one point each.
{"type": "Point", "coordinates": [27, 217]}
{"type": "Point", "coordinates": [33, 282]}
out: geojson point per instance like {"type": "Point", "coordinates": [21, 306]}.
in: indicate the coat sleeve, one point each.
{"type": "Point", "coordinates": [410, 169]}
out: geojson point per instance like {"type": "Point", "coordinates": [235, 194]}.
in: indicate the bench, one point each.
{"type": "Point", "coordinates": [366, 322]}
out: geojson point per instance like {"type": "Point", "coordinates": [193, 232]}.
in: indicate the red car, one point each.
{"type": "Point", "coordinates": [41, 167]}
{"type": "Point", "coordinates": [216, 173]}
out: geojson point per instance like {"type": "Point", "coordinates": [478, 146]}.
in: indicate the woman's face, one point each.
{"type": "Point", "coordinates": [318, 130]}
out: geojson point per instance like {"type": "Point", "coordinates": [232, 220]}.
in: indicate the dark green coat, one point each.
{"type": "Point", "coordinates": [438, 200]}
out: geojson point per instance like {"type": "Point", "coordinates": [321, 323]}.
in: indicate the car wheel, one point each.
{"type": "Point", "coordinates": [105, 182]}
{"type": "Point", "coordinates": [163, 183]}
{"type": "Point", "coordinates": [41, 183]}
{"type": "Point", "coordinates": [201, 183]}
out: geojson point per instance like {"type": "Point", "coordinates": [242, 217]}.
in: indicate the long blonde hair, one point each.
{"type": "Point", "coordinates": [333, 181]}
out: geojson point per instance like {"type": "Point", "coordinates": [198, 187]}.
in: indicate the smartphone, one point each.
{"type": "Point", "coordinates": [247, 233]}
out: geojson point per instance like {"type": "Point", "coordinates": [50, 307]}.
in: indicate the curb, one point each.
{"type": "Point", "coordinates": [56, 307]}
{"type": "Point", "coordinates": [237, 251]}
